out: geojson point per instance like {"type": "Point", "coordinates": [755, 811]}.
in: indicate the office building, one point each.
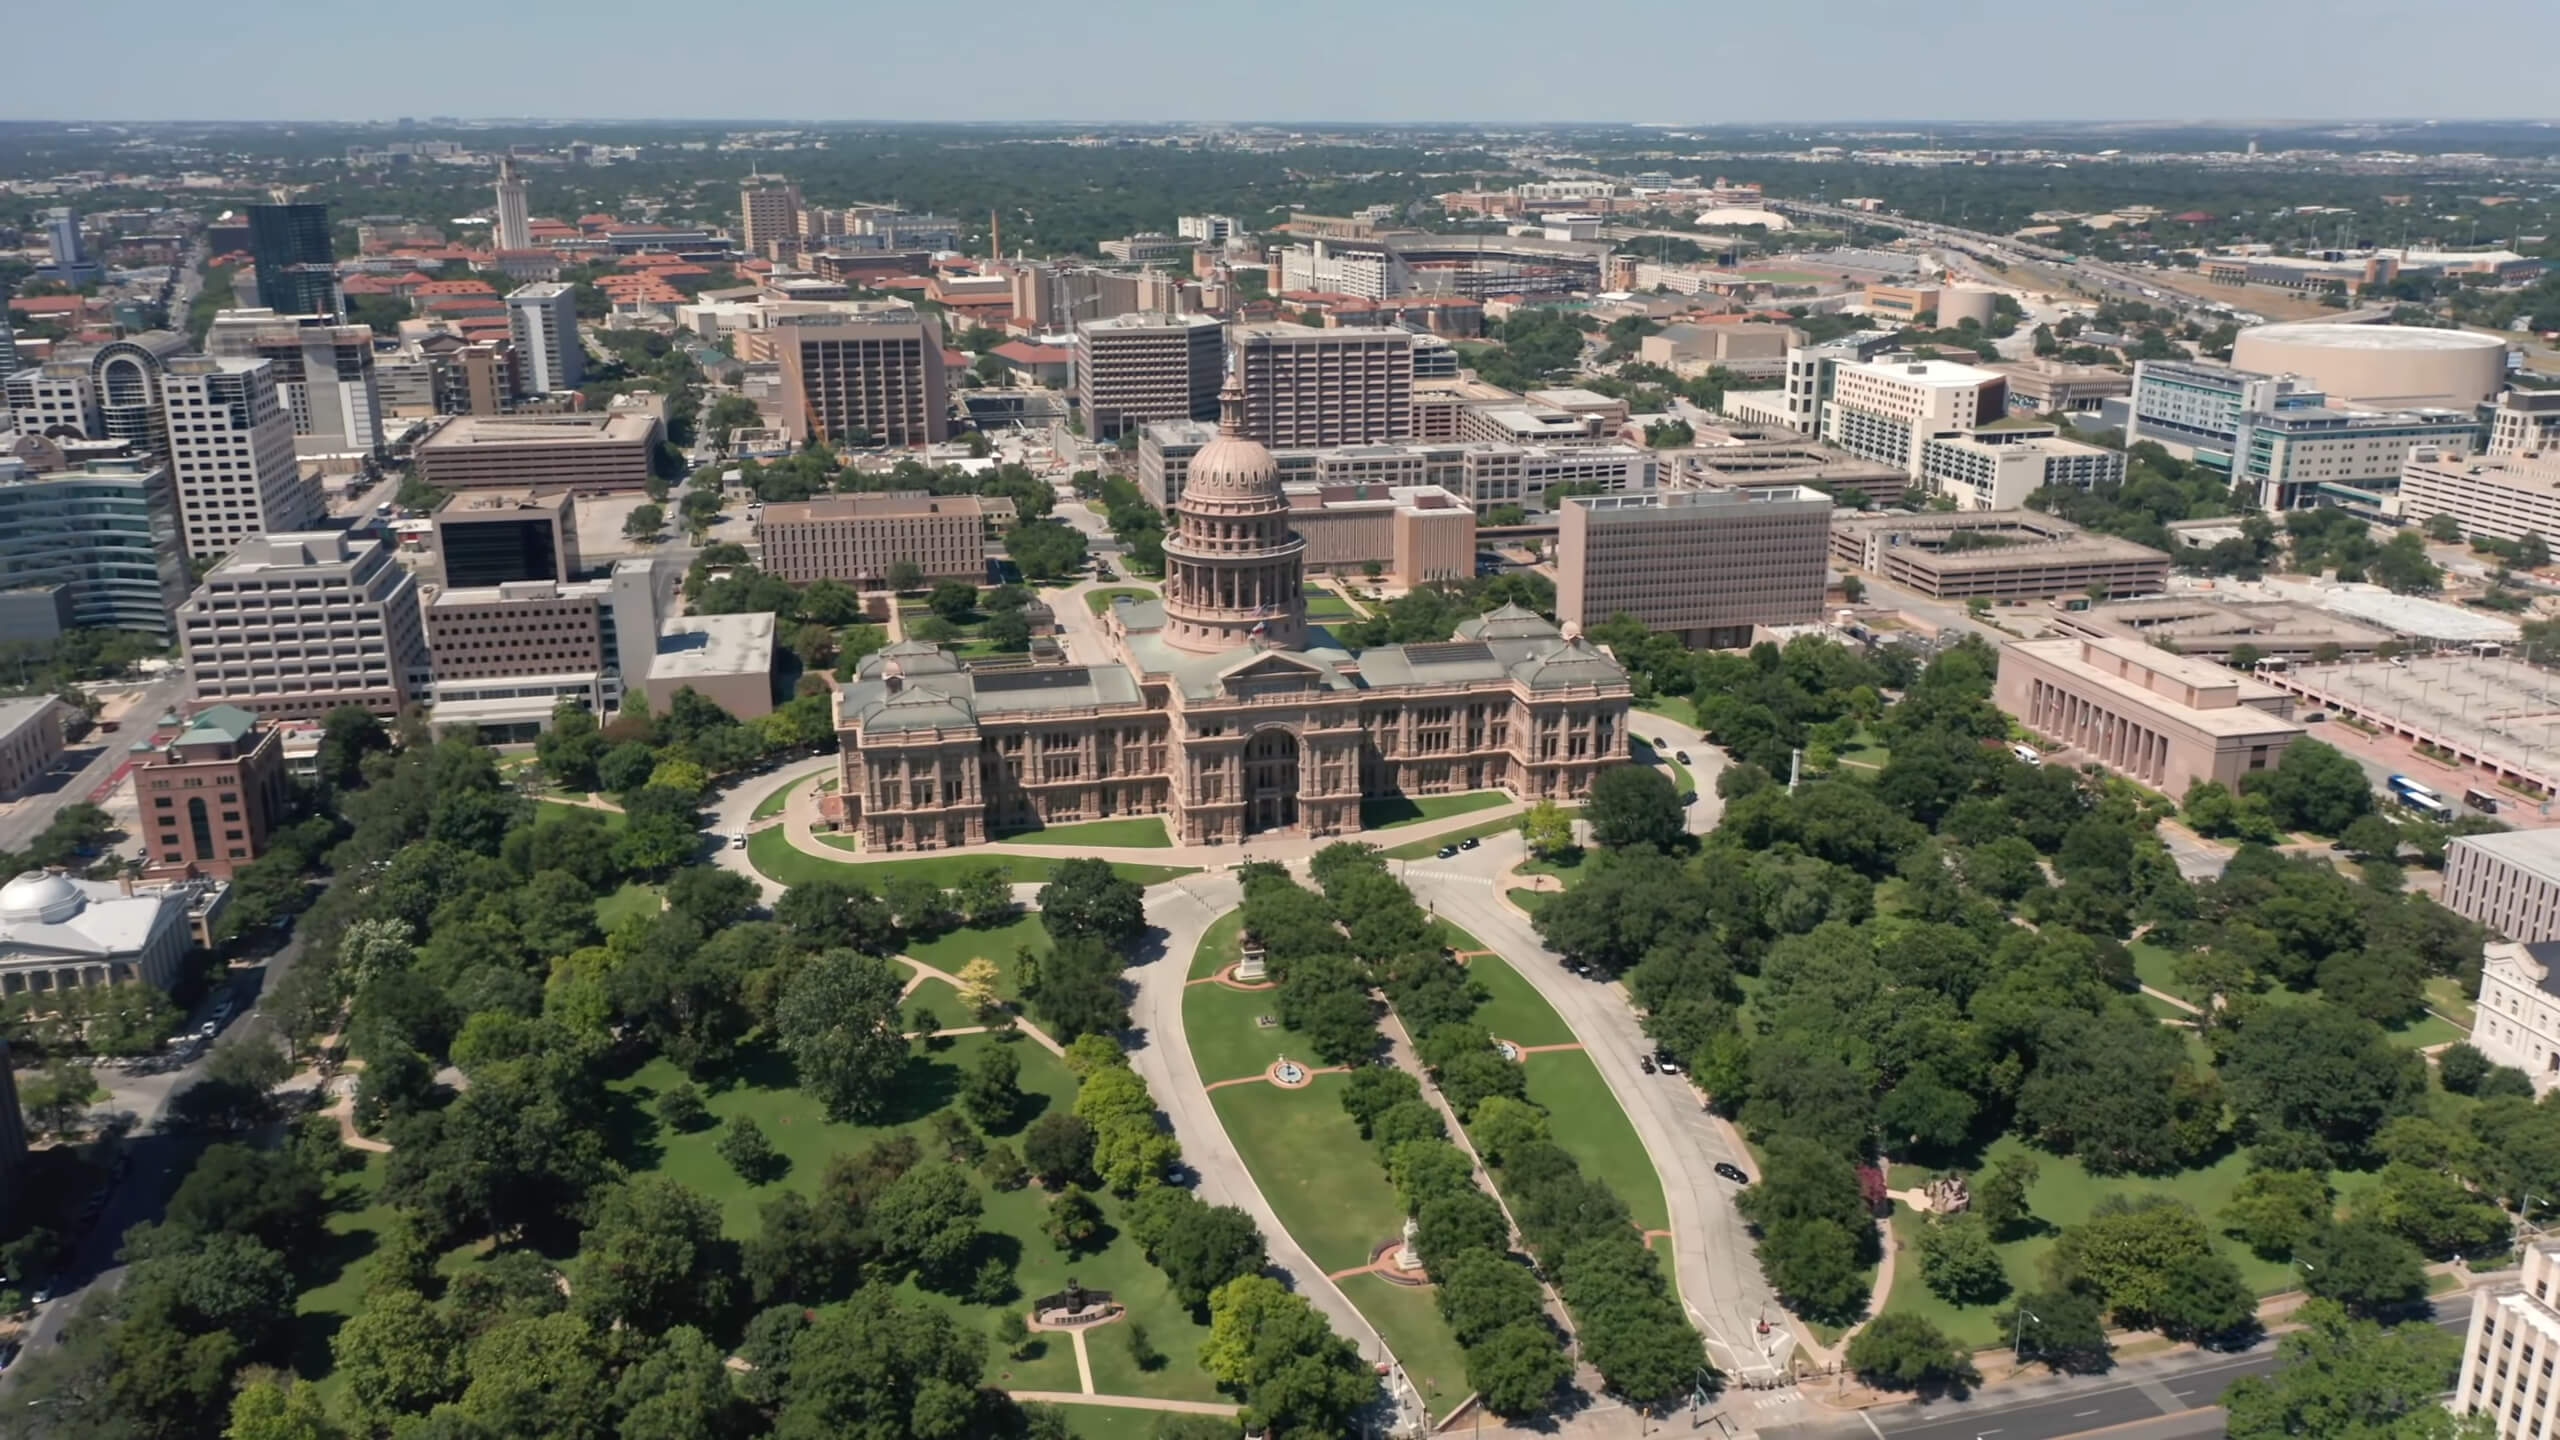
{"type": "Point", "coordinates": [101, 544]}
{"type": "Point", "coordinates": [2508, 882]}
{"type": "Point", "coordinates": [1706, 565]}
{"type": "Point", "coordinates": [2501, 497]}
{"type": "Point", "coordinates": [726, 659]}
{"type": "Point", "coordinates": [324, 371]}
{"type": "Point", "coordinates": [1998, 466]}
{"type": "Point", "coordinates": [1812, 373]}
{"type": "Point", "coordinates": [57, 399]}
{"type": "Point", "coordinates": [1997, 554]}
{"type": "Point", "coordinates": [67, 254]}
{"type": "Point", "coordinates": [1138, 368]}
{"type": "Point", "coordinates": [295, 265]}
{"type": "Point", "coordinates": [1412, 534]}
{"type": "Point", "coordinates": [1846, 478]}
{"type": "Point", "coordinates": [59, 933]}
{"type": "Point", "coordinates": [1885, 410]}
{"type": "Point", "coordinates": [126, 375]}
{"type": "Point", "coordinates": [2193, 408]}
{"type": "Point", "coordinates": [2514, 1332]}
{"type": "Point", "coordinates": [231, 454]}
{"type": "Point", "coordinates": [515, 223]}
{"type": "Point", "coordinates": [30, 741]}
{"type": "Point", "coordinates": [506, 655]}
{"type": "Point", "coordinates": [2382, 367]}
{"type": "Point", "coordinates": [2162, 719]}
{"type": "Point", "coordinates": [1903, 304]}
{"type": "Point", "coordinates": [1221, 711]}
{"type": "Point", "coordinates": [873, 379]}
{"type": "Point", "coordinates": [1758, 351]}
{"type": "Point", "coordinates": [858, 538]}
{"type": "Point", "coordinates": [2525, 422]}
{"type": "Point", "coordinates": [8, 346]}
{"type": "Point", "coordinates": [1483, 475]}
{"type": "Point", "coordinates": [1150, 246]}
{"type": "Point", "coordinates": [542, 318]}
{"type": "Point", "coordinates": [2056, 387]}
{"type": "Point", "coordinates": [1212, 230]}
{"type": "Point", "coordinates": [292, 626]}
{"type": "Point", "coordinates": [2214, 629]}
{"type": "Point", "coordinates": [2308, 455]}
{"type": "Point", "coordinates": [769, 217]}
{"type": "Point", "coordinates": [1374, 266]}
{"type": "Point", "coordinates": [545, 454]}
{"type": "Point", "coordinates": [1307, 388]}
{"type": "Point", "coordinates": [492, 537]}
{"type": "Point", "coordinates": [211, 795]}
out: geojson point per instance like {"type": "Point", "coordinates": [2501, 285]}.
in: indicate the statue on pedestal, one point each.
{"type": "Point", "coordinates": [1408, 1258]}
{"type": "Point", "coordinates": [1252, 968]}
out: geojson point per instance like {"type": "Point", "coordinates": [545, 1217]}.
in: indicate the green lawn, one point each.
{"type": "Point", "coordinates": [632, 899]}
{"type": "Point", "coordinates": [1100, 600]}
{"type": "Point", "coordinates": [1529, 900]}
{"type": "Point", "coordinates": [1513, 1009]}
{"type": "Point", "coordinates": [355, 1225]}
{"type": "Point", "coordinates": [772, 854]}
{"type": "Point", "coordinates": [1140, 831]}
{"type": "Point", "coordinates": [1389, 811]}
{"type": "Point", "coordinates": [554, 809]}
{"type": "Point", "coordinates": [1426, 849]}
{"type": "Point", "coordinates": [1596, 1133]}
{"type": "Point", "coordinates": [1670, 707]}
{"type": "Point", "coordinates": [999, 943]}
{"type": "Point", "coordinates": [1219, 945]}
{"type": "Point", "coordinates": [2446, 997]}
{"type": "Point", "coordinates": [1327, 1188]}
{"type": "Point", "coordinates": [1226, 1041]}
{"type": "Point", "coordinates": [1567, 867]}
{"type": "Point", "coordinates": [2157, 968]}
{"type": "Point", "coordinates": [772, 804]}
{"type": "Point", "coordinates": [1865, 750]}
{"type": "Point", "coordinates": [1326, 606]}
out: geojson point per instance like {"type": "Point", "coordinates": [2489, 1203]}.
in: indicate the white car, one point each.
{"type": "Point", "coordinates": [2027, 753]}
{"type": "Point", "coordinates": [737, 839]}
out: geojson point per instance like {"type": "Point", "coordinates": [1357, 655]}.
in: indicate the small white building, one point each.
{"type": "Point", "coordinates": [2519, 1018]}
{"type": "Point", "coordinates": [62, 933]}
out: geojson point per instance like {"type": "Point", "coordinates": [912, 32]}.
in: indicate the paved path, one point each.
{"type": "Point", "coordinates": [1124, 1402]}
{"type": "Point", "coordinates": [1717, 1269]}
{"type": "Point", "coordinates": [1021, 1022]}
{"type": "Point", "coordinates": [1084, 1361]}
{"type": "Point", "coordinates": [1182, 910]}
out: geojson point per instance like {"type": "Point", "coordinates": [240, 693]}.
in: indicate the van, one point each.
{"type": "Point", "coordinates": [737, 839]}
{"type": "Point", "coordinates": [2027, 753]}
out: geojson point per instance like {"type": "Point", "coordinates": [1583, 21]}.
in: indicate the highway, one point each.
{"type": "Point", "coordinates": [2126, 283]}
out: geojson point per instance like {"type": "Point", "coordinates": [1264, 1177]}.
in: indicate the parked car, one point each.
{"type": "Point", "coordinates": [1645, 1063]}
{"type": "Point", "coordinates": [1680, 755]}
{"type": "Point", "coordinates": [1732, 1172]}
{"type": "Point", "coordinates": [1448, 850]}
{"type": "Point", "coordinates": [1663, 1059]}
{"type": "Point", "coordinates": [737, 839]}
{"type": "Point", "coordinates": [1470, 843]}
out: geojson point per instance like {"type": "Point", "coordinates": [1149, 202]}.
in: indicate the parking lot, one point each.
{"type": "Point", "coordinates": [2498, 718]}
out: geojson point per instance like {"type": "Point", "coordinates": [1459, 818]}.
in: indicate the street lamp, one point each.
{"type": "Point", "coordinates": [2018, 1339]}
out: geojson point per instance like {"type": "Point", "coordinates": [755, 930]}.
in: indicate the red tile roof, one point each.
{"type": "Point", "coordinates": [1023, 352]}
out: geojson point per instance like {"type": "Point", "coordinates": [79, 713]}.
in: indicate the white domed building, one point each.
{"type": "Point", "coordinates": [1224, 711]}
{"type": "Point", "coordinates": [58, 932]}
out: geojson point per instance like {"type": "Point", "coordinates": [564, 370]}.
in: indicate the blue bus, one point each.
{"type": "Point", "coordinates": [2404, 787]}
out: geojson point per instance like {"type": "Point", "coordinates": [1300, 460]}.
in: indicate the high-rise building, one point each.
{"type": "Point", "coordinates": [1997, 467]}
{"type": "Point", "coordinates": [295, 625]}
{"type": "Point", "coordinates": [875, 376]}
{"type": "Point", "coordinates": [2194, 407]}
{"type": "Point", "coordinates": [231, 454]}
{"type": "Point", "coordinates": [105, 535]}
{"type": "Point", "coordinates": [506, 655]}
{"type": "Point", "coordinates": [858, 538]}
{"type": "Point", "coordinates": [212, 795]}
{"type": "Point", "coordinates": [2524, 422]}
{"type": "Point", "coordinates": [70, 260]}
{"type": "Point", "coordinates": [295, 264]}
{"type": "Point", "coordinates": [1885, 410]}
{"type": "Point", "coordinates": [590, 450]}
{"type": "Point", "coordinates": [492, 537]}
{"type": "Point", "coordinates": [1706, 565]}
{"type": "Point", "coordinates": [325, 372]}
{"type": "Point", "coordinates": [543, 318]}
{"type": "Point", "coordinates": [57, 399]}
{"type": "Point", "coordinates": [1137, 368]}
{"type": "Point", "coordinates": [1307, 387]}
{"type": "Point", "coordinates": [8, 342]}
{"type": "Point", "coordinates": [515, 224]}
{"type": "Point", "coordinates": [769, 211]}
{"type": "Point", "coordinates": [126, 375]}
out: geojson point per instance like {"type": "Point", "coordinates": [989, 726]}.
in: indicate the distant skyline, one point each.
{"type": "Point", "coordinates": [1343, 61]}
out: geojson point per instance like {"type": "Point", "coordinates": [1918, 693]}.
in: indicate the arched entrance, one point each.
{"type": "Point", "coordinates": [1270, 781]}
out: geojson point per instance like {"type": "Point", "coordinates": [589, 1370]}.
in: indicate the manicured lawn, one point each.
{"type": "Point", "coordinates": [1670, 707]}
{"type": "Point", "coordinates": [1219, 945]}
{"type": "Point", "coordinates": [1865, 750]}
{"type": "Point", "coordinates": [1319, 1175]}
{"type": "Point", "coordinates": [354, 1228]}
{"type": "Point", "coordinates": [1325, 606]}
{"type": "Point", "coordinates": [772, 854]}
{"type": "Point", "coordinates": [1226, 1041]}
{"type": "Point", "coordinates": [1567, 867]}
{"type": "Point", "coordinates": [1410, 1320]}
{"type": "Point", "coordinates": [2157, 967]}
{"type": "Point", "coordinates": [1098, 601]}
{"type": "Point", "coordinates": [1529, 900]}
{"type": "Point", "coordinates": [999, 943]}
{"type": "Point", "coordinates": [554, 809]}
{"type": "Point", "coordinates": [1513, 1010]}
{"type": "Point", "coordinates": [1389, 811]}
{"type": "Point", "coordinates": [632, 899]}
{"type": "Point", "coordinates": [1427, 849]}
{"type": "Point", "coordinates": [1596, 1133]}
{"type": "Point", "coordinates": [2446, 997]}
{"type": "Point", "coordinates": [772, 804]}
{"type": "Point", "coordinates": [2428, 1030]}
{"type": "Point", "coordinates": [1143, 831]}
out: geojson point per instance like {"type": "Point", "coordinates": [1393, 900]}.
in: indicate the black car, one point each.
{"type": "Point", "coordinates": [1447, 851]}
{"type": "Point", "coordinates": [1645, 1063]}
{"type": "Point", "coordinates": [1469, 843]}
{"type": "Point", "coordinates": [1732, 1172]}
{"type": "Point", "coordinates": [1682, 756]}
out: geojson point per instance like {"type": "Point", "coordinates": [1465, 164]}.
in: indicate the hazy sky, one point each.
{"type": "Point", "coordinates": [1351, 60]}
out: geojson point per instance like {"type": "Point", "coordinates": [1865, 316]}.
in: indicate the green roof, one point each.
{"type": "Point", "coordinates": [226, 722]}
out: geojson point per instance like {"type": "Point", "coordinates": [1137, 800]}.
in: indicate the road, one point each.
{"type": "Point", "coordinates": [2171, 1395]}
{"type": "Point", "coordinates": [97, 758]}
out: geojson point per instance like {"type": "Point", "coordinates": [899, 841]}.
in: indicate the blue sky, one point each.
{"type": "Point", "coordinates": [1348, 60]}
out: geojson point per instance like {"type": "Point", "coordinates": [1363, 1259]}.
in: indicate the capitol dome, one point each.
{"type": "Point", "coordinates": [40, 897]}
{"type": "Point", "coordinates": [1232, 468]}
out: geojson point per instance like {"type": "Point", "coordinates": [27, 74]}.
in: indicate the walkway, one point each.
{"type": "Point", "coordinates": [924, 972]}
{"type": "Point", "coordinates": [1125, 1402]}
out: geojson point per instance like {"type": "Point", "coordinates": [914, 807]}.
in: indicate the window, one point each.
{"type": "Point", "coordinates": [201, 823]}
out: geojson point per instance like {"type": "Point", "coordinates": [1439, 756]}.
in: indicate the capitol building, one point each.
{"type": "Point", "coordinates": [1223, 711]}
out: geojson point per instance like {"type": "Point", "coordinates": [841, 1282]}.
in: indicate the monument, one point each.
{"type": "Point", "coordinates": [1407, 1257]}
{"type": "Point", "coordinates": [1254, 967]}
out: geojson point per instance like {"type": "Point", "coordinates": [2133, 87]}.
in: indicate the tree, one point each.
{"type": "Point", "coordinates": [836, 914]}
{"type": "Point", "coordinates": [1059, 1149]}
{"type": "Point", "coordinates": [1909, 1352]}
{"type": "Point", "coordinates": [238, 1189]}
{"type": "Point", "coordinates": [2130, 1254]}
{"type": "Point", "coordinates": [2337, 1375]}
{"type": "Point", "coordinates": [1207, 1246]}
{"type": "Point", "coordinates": [743, 1145]}
{"type": "Point", "coordinates": [58, 1096]}
{"type": "Point", "coordinates": [953, 600]}
{"type": "Point", "coordinates": [1958, 1263]}
{"type": "Point", "coordinates": [926, 1222]}
{"type": "Point", "coordinates": [1085, 897]}
{"type": "Point", "coordinates": [2459, 1065]}
{"type": "Point", "coordinates": [2321, 1073]}
{"type": "Point", "coordinates": [348, 734]}
{"type": "Point", "coordinates": [2276, 1212]}
{"type": "Point", "coordinates": [644, 522]}
{"type": "Point", "coordinates": [978, 986]}
{"type": "Point", "coordinates": [654, 1255]}
{"type": "Point", "coordinates": [1634, 805]}
{"type": "Point", "coordinates": [991, 1092]}
{"type": "Point", "coordinates": [838, 1019]}
{"type": "Point", "coordinates": [1546, 830]}
{"type": "Point", "coordinates": [273, 1409]}
{"type": "Point", "coordinates": [1073, 1221]}
{"type": "Point", "coordinates": [1518, 1368]}
{"type": "Point", "coordinates": [883, 1369]}
{"type": "Point", "coordinates": [1296, 1375]}
{"type": "Point", "coordinates": [2313, 787]}
{"type": "Point", "coordinates": [2370, 837]}
{"type": "Point", "coordinates": [399, 1355]}
{"type": "Point", "coordinates": [2001, 1196]}
{"type": "Point", "coordinates": [905, 575]}
{"type": "Point", "coordinates": [2062, 1329]}
{"type": "Point", "coordinates": [1076, 988]}
{"type": "Point", "coordinates": [2362, 1264]}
